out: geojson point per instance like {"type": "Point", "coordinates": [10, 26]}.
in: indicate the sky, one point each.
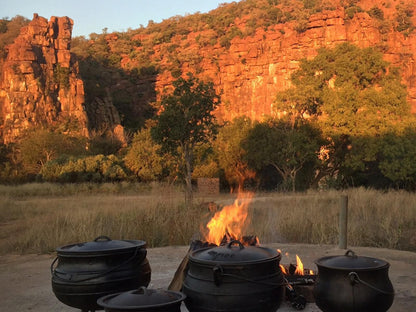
{"type": "Point", "coordinates": [92, 16]}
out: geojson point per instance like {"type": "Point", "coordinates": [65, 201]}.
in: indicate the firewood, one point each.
{"type": "Point", "coordinates": [180, 274]}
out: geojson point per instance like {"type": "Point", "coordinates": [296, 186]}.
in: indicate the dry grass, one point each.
{"type": "Point", "coordinates": [37, 218]}
{"type": "Point", "coordinates": [377, 219]}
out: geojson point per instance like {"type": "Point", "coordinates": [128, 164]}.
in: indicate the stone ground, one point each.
{"type": "Point", "coordinates": [25, 281]}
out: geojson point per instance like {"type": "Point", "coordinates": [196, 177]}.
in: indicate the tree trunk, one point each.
{"type": "Point", "coordinates": [188, 176]}
{"type": "Point", "coordinates": [293, 178]}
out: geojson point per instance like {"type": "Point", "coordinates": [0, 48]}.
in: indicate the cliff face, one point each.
{"type": "Point", "coordinates": [40, 81]}
{"type": "Point", "coordinates": [255, 68]}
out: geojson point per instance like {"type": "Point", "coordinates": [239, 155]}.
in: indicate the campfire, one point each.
{"type": "Point", "coordinates": [230, 224]}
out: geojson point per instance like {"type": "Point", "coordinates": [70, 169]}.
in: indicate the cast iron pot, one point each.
{"type": "Point", "coordinates": [234, 278]}
{"type": "Point", "coordinates": [352, 283]}
{"type": "Point", "coordinates": [87, 271]}
{"type": "Point", "coordinates": [143, 300]}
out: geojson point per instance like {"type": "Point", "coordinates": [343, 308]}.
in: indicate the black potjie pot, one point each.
{"type": "Point", "coordinates": [351, 283]}
{"type": "Point", "coordinates": [84, 272]}
{"type": "Point", "coordinates": [143, 300]}
{"type": "Point", "coordinates": [234, 278]}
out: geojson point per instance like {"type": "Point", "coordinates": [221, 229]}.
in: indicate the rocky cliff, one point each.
{"type": "Point", "coordinates": [40, 83]}
{"type": "Point", "coordinates": [255, 68]}
{"type": "Point", "coordinates": [251, 69]}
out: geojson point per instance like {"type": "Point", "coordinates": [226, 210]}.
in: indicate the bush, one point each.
{"type": "Point", "coordinates": [377, 13]}
{"type": "Point", "coordinates": [97, 168]}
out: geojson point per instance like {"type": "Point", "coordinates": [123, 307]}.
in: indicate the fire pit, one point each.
{"type": "Point", "coordinates": [300, 284]}
{"type": "Point", "coordinates": [300, 280]}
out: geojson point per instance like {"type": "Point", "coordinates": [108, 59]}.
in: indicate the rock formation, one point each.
{"type": "Point", "coordinates": [40, 83]}
{"type": "Point", "coordinates": [255, 68]}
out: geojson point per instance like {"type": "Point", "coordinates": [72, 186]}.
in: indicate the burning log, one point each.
{"type": "Point", "coordinates": [251, 240]}
{"type": "Point", "coordinates": [300, 284]}
{"type": "Point", "coordinates": [248, 240]}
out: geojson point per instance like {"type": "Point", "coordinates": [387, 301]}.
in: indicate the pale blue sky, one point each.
{"type": "Point", "coordinates": [94, 15]}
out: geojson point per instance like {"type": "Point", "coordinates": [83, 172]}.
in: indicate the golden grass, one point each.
{"type": "Point", "coordinates": [377, 219]}
{"type": "Point", "coordinates": [37, 218]}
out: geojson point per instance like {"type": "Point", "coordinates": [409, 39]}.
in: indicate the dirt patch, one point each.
{"type": "Point", "coordinates": [25, 281]}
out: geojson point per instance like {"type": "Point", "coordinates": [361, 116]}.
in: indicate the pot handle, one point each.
{"type": "Point", "coordinates": [141, 290]}
{"type": "Point", "coordinates": [102, 237]}
{"type": "Point", "coordinates": [235, 241]}
{"type": "Point", "coordinates": [355, 279]}
{"type": "Point", "coordinates": [351, 253]}
{"type": "Point", "coordinates": [53, 263]}
{"type": "Point", "coordinates": [218, 273]}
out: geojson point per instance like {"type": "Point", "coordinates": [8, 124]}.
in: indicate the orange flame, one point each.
{"type": "Point", "coordinates": [230, 220]}
{"type": "Point", "coordinates": [299, 266]}
{"type": "Point", "coordinates": [283, 269]}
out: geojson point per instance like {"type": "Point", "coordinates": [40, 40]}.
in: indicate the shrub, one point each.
{"type": "Point", "coordinates": [377, 13]}
{"type": "Point", "coordinates": [97, 168]}
{"type": "Point", "coordinates": [404, 14]}
{"type": "Point", "coordinates": [61, 76]}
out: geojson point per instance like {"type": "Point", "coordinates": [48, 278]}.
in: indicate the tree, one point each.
{"type": "Point", "coordinates": [143, 157]}
{"type": "Point", "coordinates": [397, 158]}
{"type": "Point", "coordinates": [39, 146]}
{"type": "Point", "coordinates": [231, 156]}
{"type": "Point", "coordinates": [354, 96]}
{"type": "Point", "coordinates": [185, 120]}
{"type": "Point", "coordinates": [286, 147]}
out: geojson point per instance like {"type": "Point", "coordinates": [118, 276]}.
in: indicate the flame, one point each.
{"type": "Point", "coordinates": [300, 270]}
{"type": "Point", "coordinates": [230, 220]}
{"type": "Point", "coordinates": [299, 266]}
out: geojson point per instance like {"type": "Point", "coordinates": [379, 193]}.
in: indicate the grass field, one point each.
{"type": "Point", "coordinates": [37, 218]}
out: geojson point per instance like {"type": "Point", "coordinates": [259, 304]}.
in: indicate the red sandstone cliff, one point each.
{"type": "Point", "coordinates": [40, 81]}
{"type": "Point", "coordinates": [255, 68]}
{"type": "Point", "coordinates": [248, 73]}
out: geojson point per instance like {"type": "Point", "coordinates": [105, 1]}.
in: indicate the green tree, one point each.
{"type": "Point", "coordinates": [143, 157]}
{"type": "Point", "coordinates": [231, 156]}
{"type": "Point", "coordinates": [286, 146]}
{"type": "Point", "coordinates": [397, 154]}
{"type": "Point", "coordinates": [39, 146]}
{"type": "Point", "coordinates": [185, 120]}
{"type": "Point", "coordinates": [354, 95]}
{"type": "Point", "coordinates": [205, 162]}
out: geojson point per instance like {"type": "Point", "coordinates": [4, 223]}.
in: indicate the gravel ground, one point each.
{"type": "Point", "coordinates": [25, 281]}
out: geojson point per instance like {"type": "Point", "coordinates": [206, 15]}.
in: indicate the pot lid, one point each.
{"type": "Point", "coordinates": [141, 298]}
{"type": "Point", "coordinates": [350, 261]}
{"type": "Point", "coordinates": [101, 244]}
{"type": "Point", "coordinates": [234, 252]}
